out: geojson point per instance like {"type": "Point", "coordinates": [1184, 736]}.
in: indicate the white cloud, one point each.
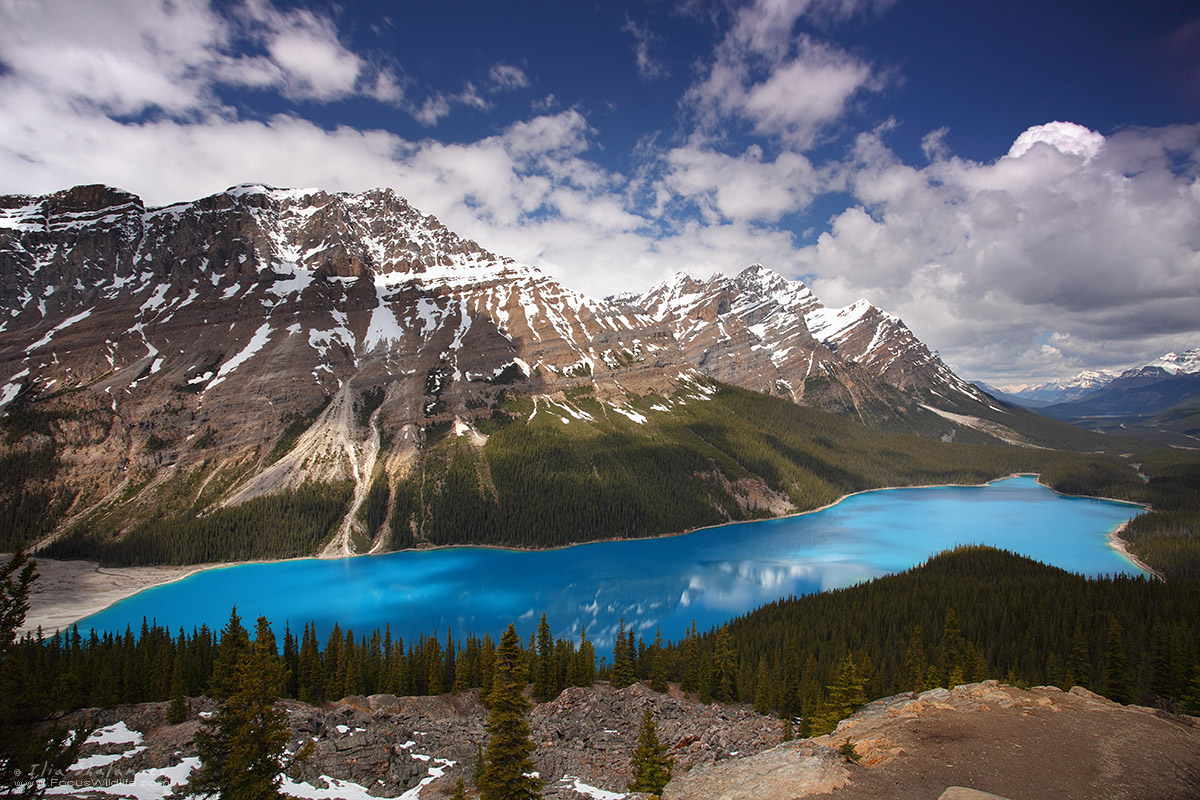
{"type": "Point", "coordinates": [649, 67]}
{"type": "Point", "coordinates": [1074, 237]}
{"type": "Point", "coordinates": [1065, 137]}
{"type": "Point", "coordinates": [1072, 250]}
{"type": "Point", "coordinates": [745, 187]}
{"type": "Point", "coordinates": [506, 77]}
{"type": "Point", "coordinates": [781, 84]}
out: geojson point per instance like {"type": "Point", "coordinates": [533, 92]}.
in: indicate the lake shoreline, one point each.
{"type": "Point", "coordinates": [69, 591]}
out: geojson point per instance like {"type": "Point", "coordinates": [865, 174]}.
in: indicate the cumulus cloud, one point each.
{"type": "Point", "coordinates": [781, 84]}
{"type": "Point", "coordinates": [1070, 250]}
{"type": "Point", "coordinates": [740, 188]}
{"type": "Point", "coordinates": [1070, 239]}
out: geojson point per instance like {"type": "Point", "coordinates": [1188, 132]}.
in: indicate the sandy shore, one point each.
{"type": "Point", "coordinates": [1121, 546]}
{"type": "Point", "coordinates": [67, 591]}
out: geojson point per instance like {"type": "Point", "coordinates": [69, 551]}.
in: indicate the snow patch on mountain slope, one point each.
{"type": "Point", "coordinates": [256, 343]}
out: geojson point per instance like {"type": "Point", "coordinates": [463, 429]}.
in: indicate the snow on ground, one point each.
{"type": "Point", "coordinates": [629, 412]}
{"type": "Point", "coordinates": [12, 388]}
{"type": "Point", "coordinates": [119, 733]}
{"type": "Point", "coordinates": [590, 791]}
{"type": "Point", "coordinates": [335, 790]}
{"type": "Point", "coordinates": [147, 784]}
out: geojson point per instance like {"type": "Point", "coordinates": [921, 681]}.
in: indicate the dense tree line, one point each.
{"type": "Point", "coordinates": [73, 670]}
{"type": "Point", "coordinates": [292, 523]}
{"type": "Point", "coordinates": [966, 615]}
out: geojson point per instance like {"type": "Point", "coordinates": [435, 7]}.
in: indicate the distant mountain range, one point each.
{"type": "Point", "coordinates": [177, 363]}
{"type": "Point", "coordinates": [1160, 399]}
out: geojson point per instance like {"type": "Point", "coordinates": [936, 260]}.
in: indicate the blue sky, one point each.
{"type": "Point", "coordinates": [1018, 181]}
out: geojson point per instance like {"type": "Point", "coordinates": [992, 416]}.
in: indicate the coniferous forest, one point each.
{"type": "Point", "coordinates": [966, 615]}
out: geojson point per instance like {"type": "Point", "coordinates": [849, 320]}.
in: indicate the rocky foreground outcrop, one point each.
{"type": "Point", "coordinates": [1018, 744]}
{"type": "Point", "coordinates": [987, 737]}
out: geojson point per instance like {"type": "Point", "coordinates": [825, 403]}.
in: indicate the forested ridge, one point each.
{"type": "Point", "coordinates": [966, 615]}
{"type": "Point", "coordinates": [538, 482]}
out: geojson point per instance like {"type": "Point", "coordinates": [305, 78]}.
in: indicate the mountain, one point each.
{"type": "Point", "coordinates": [1060, 390]}
{"type": "Point", "coordinates": [1160, 400]}
{"type": "Point", "coordinates": [1004, 396]}
{"type": "Point", "coordinates": [268, 372]}
{"type": "Point", "coordinates": [763, 332]}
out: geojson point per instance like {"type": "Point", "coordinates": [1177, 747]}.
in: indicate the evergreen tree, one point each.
{"type": "Point", "coordinates": [651, 766]}
{"type": "Point", "coordinates": [308, 668]}
{"type": "Point", "coordinates": [810, 694]}
{"type": "Point", "coordinates": [584, 663]}
{"type": "Point", "coordinates": [724, 666]}
{"type": "Point", "coordinates": [460, 790]}
{"type": "Point", "coordinates": [762, 688]}
{"type": "Point", "coordinates": [544, 683]}
{"type": "Point", "coordinates": [27, 747]}
{"type": "Point", "coordinates": [177, 711]}
{"type": "Point", "coordinates": [235, 643]}
{"type": "Point", "coordinates": [1116, 666]}
{"type": "Point", "coordinates": [691, 661]}
{"type": "Point", "coordinates": [845, 695]}
{"type": "Point", "coordinates": [913, 678]}
{"type": "Point", "coordinates": [624, 671]}
{"type": "Point", "coordinates": [953, 651]}
{"type": "Point", "coordinates": [1079, 663]}
{"type": "Point", "coordinates": [507, 761]}
{"type": "Point", "coordinates": [658, 663]}
{"type": "Point", "coordinates": [241, 746]}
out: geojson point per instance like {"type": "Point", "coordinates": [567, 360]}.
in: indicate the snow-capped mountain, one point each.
{"type": "Point", "coordinates": [1061, 390]}
{"type": "Point", "coordinates": [1184, 363]}
{"type": "Point", "coordinates": [767, 333]}
{"type": "Point", "coordinates": [260, 339]}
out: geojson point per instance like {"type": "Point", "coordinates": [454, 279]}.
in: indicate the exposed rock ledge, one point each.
{"type": "Point", "coordinates": [985, 737]}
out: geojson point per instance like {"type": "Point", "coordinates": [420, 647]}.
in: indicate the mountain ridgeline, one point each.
{"type": "Point", "coordinates": [267, 373]}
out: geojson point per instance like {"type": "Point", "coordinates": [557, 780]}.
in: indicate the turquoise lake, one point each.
{"type": "Point", "coordinates": [709, 576]}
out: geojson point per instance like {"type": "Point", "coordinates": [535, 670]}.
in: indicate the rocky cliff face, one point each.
{"type": "Point", "coordinates": [184, 346]}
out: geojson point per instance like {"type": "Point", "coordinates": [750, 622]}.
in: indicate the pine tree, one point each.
{"type": "Point", "coordinates": [1116, 666]}
{"type": "Point", "coordinates": [583, 666]}
{"type": "Point", "coordinates": [952, 652]}
{"type": "Point", "coordinates": [623, 673]}
{"type": "Point", "coordinates": [241, 746]}
{"type": "Point", "coordinates": [913, 677]}
{"type": "Point", "coordinates": [177, 711]}
{"type": "Point", "coordinates": [507, 761]}
{"type": "Point", "coordinates": [724, 666]}
{"type": "Point", "coordinates": [235, 643]}
{"type": "Point", "coordinates": [26, 746]}
{"type": "Point", "coordinates": [460, 790]}
{"type": "Point", "coordinates": [691, 661]}
{"type": "Point", "coordinates": [658, 663]}
{"type": "Point", "coordinates": [845, 695]}
{"type": "Point", "coordinates": [1079, 664]}
{"type": "Point", "coordinates": [544, 684]}
{"type": "Point", "coordinates": [651, 766]}
{"type": "Point", "coordinates": [308, 669]}
{"type": "Point", "coordinates": [762, 688]}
